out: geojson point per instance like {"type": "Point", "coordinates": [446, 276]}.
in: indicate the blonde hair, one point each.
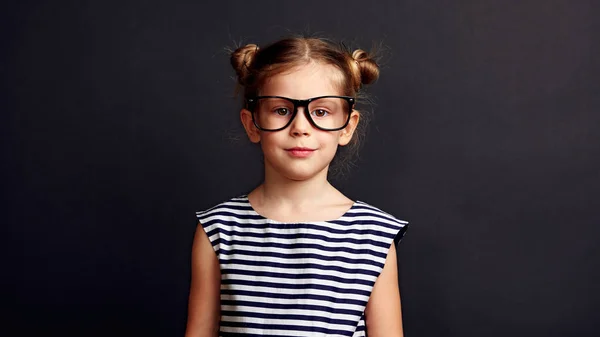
{"type": "Point", "coordinates": [253, 65]}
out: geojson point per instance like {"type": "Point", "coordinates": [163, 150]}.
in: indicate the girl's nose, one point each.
{"type": "Point", "coordinates": [300, 125]}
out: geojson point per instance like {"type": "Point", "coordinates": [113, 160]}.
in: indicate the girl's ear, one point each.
{"type": "Point", "coordinates": [348, 131]}
{"type": "Point", "coordinates": [251, 130]}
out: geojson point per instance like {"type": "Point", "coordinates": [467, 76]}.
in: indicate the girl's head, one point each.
{"type": "Point", "coordinates": [301, 69]}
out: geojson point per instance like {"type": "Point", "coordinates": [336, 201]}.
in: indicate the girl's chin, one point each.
{"type": "Point", "coordinates": [299, 174]}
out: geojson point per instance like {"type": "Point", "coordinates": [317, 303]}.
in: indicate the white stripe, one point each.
{"type": "Point", "coordinates": [242, 229]}
{"type": "Point", "coordinates": [302, 261]}
{"type": "Point", "coordinates": [277, 311]}
{"type": "Point", "coordinates": [315, 251]}
{"type": "Point", "coordinates": [362, 204]}
{"type": "Point", "coordinates": [254, 278]}
{"type": "Point", "coordinates": [315, 323]}
{"type": "Point", "coordinates": [346, 276]}
{"type": "Point", "coordinates": [375, 222]}
{"type": "Point", "coordinates": [303, 240]}
{"type": "Point", "coordinates": [375, 219]}
{"type": "Point", "coordinates": [289, 291]}
{"type": "Point", "coordinates": [357, 207]}
{"type": "Point", "coordinates": [361, 323]}
{"type": "Point", "coordinates": [263, 332]}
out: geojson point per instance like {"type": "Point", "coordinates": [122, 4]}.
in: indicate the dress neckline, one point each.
{"type": "Point", "coordinates": [269, 220]}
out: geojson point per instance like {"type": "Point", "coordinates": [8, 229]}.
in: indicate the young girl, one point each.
{"type": "Point", "coordinates": [295, 257]}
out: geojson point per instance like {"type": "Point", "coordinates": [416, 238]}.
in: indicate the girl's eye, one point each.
{"type": "Point", "coordinates": [282, 111]}
{"type": "Point", "coordinates": [320, 113]}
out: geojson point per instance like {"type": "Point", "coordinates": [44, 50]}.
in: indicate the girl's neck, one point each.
{"type": "Point", "coordinates": [295, 194]}
{"type": "Point", "coordinates": [287, 200]}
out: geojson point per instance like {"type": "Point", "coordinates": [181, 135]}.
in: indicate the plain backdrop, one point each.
{"type": "Point", "coordinates": [119, 122]}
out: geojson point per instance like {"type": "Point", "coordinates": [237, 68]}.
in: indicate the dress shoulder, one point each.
{"type": "Point", "coordinates": [382, 218]}
{"type": "Point", "coordinates": [222, 218]}
{"type": "Point", "coordinates": [232, 204]}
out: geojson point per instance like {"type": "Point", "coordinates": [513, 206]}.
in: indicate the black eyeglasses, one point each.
{"type": "Point", "coordinates": [274, 113]}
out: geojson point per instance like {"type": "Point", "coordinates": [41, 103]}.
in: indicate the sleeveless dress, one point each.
{"type": "Point", "coordinates": [297, 279]}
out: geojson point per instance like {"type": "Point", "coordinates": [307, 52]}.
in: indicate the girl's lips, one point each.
{"type": "Point", "coordinates": [300, 152]}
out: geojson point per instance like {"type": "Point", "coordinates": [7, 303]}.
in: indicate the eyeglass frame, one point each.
{"type": "Point", "coordinates": [251, 105]}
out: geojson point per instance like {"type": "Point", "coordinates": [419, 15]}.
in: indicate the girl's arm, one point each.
{"type": "Point", "coordinates": [383, 315]}
{"type": "Point", "coordinates": [204, 301]}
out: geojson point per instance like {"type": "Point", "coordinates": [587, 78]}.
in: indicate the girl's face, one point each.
{"type": "Point", "coordinates": [282, 149]}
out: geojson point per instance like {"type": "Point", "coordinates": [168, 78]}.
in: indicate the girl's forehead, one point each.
{"type": "Point", "coordinates": [305, 81]}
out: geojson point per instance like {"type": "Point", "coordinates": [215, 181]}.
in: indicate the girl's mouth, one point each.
{"type": "Point", "coordinates": [300, 152]}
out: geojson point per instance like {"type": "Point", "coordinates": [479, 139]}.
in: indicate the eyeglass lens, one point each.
{"type": "Point", "coordinates": [327, 113]}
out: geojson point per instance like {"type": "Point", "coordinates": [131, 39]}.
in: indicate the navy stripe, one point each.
{"type": "Point", "coordinates": [285, 316]}
{"type": "Point", "coordinates": [392, 226]}
{"type": "Point", "coordinates": [213, 232]}
{"type": "Point", "coordinates": [379, 221]}
{"type": "Point", "coordinates": [229, 206]}
{"type": "Point", "coordinates": [364, 205]}
{"type": "Point", "coordinates": [231, 214]}
{"type": "Point", "coordinates": [299, 266]}
{"type": "Point", "coordinates": [299, 286]}
{"type": "Point", "coordinates": [300, 256]}
{"type": "Point", "coordinates": [302, 246]}
{"type": "Point", "coordinates": [236, 203]}
{"type": "Point", "coordinates": [310, 307]}
{"type": "Point", "coordinates": [216, 242]}
{"type": "Point", "coordinates": [295, 276]}
{"type": "Point", "coordinates": [301, 235]}
{"type": "Point", "coordinates": [303, 226]}
{"type": "Point", "coordinates": [246, 334]}
{"type": "Point", "coordinates": [284, 327]}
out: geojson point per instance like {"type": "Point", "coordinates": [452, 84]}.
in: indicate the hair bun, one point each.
{"type": "Point", "coordinates": [369, 70]}
{"type": "Point", "coordinates": [241, 59]}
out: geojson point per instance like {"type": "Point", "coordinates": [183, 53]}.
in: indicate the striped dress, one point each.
{"type": "Point", "coordinates": [297, 279]}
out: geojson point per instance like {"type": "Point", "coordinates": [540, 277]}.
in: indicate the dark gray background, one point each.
{"type": "Point", "coordinates": [119, 122]}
